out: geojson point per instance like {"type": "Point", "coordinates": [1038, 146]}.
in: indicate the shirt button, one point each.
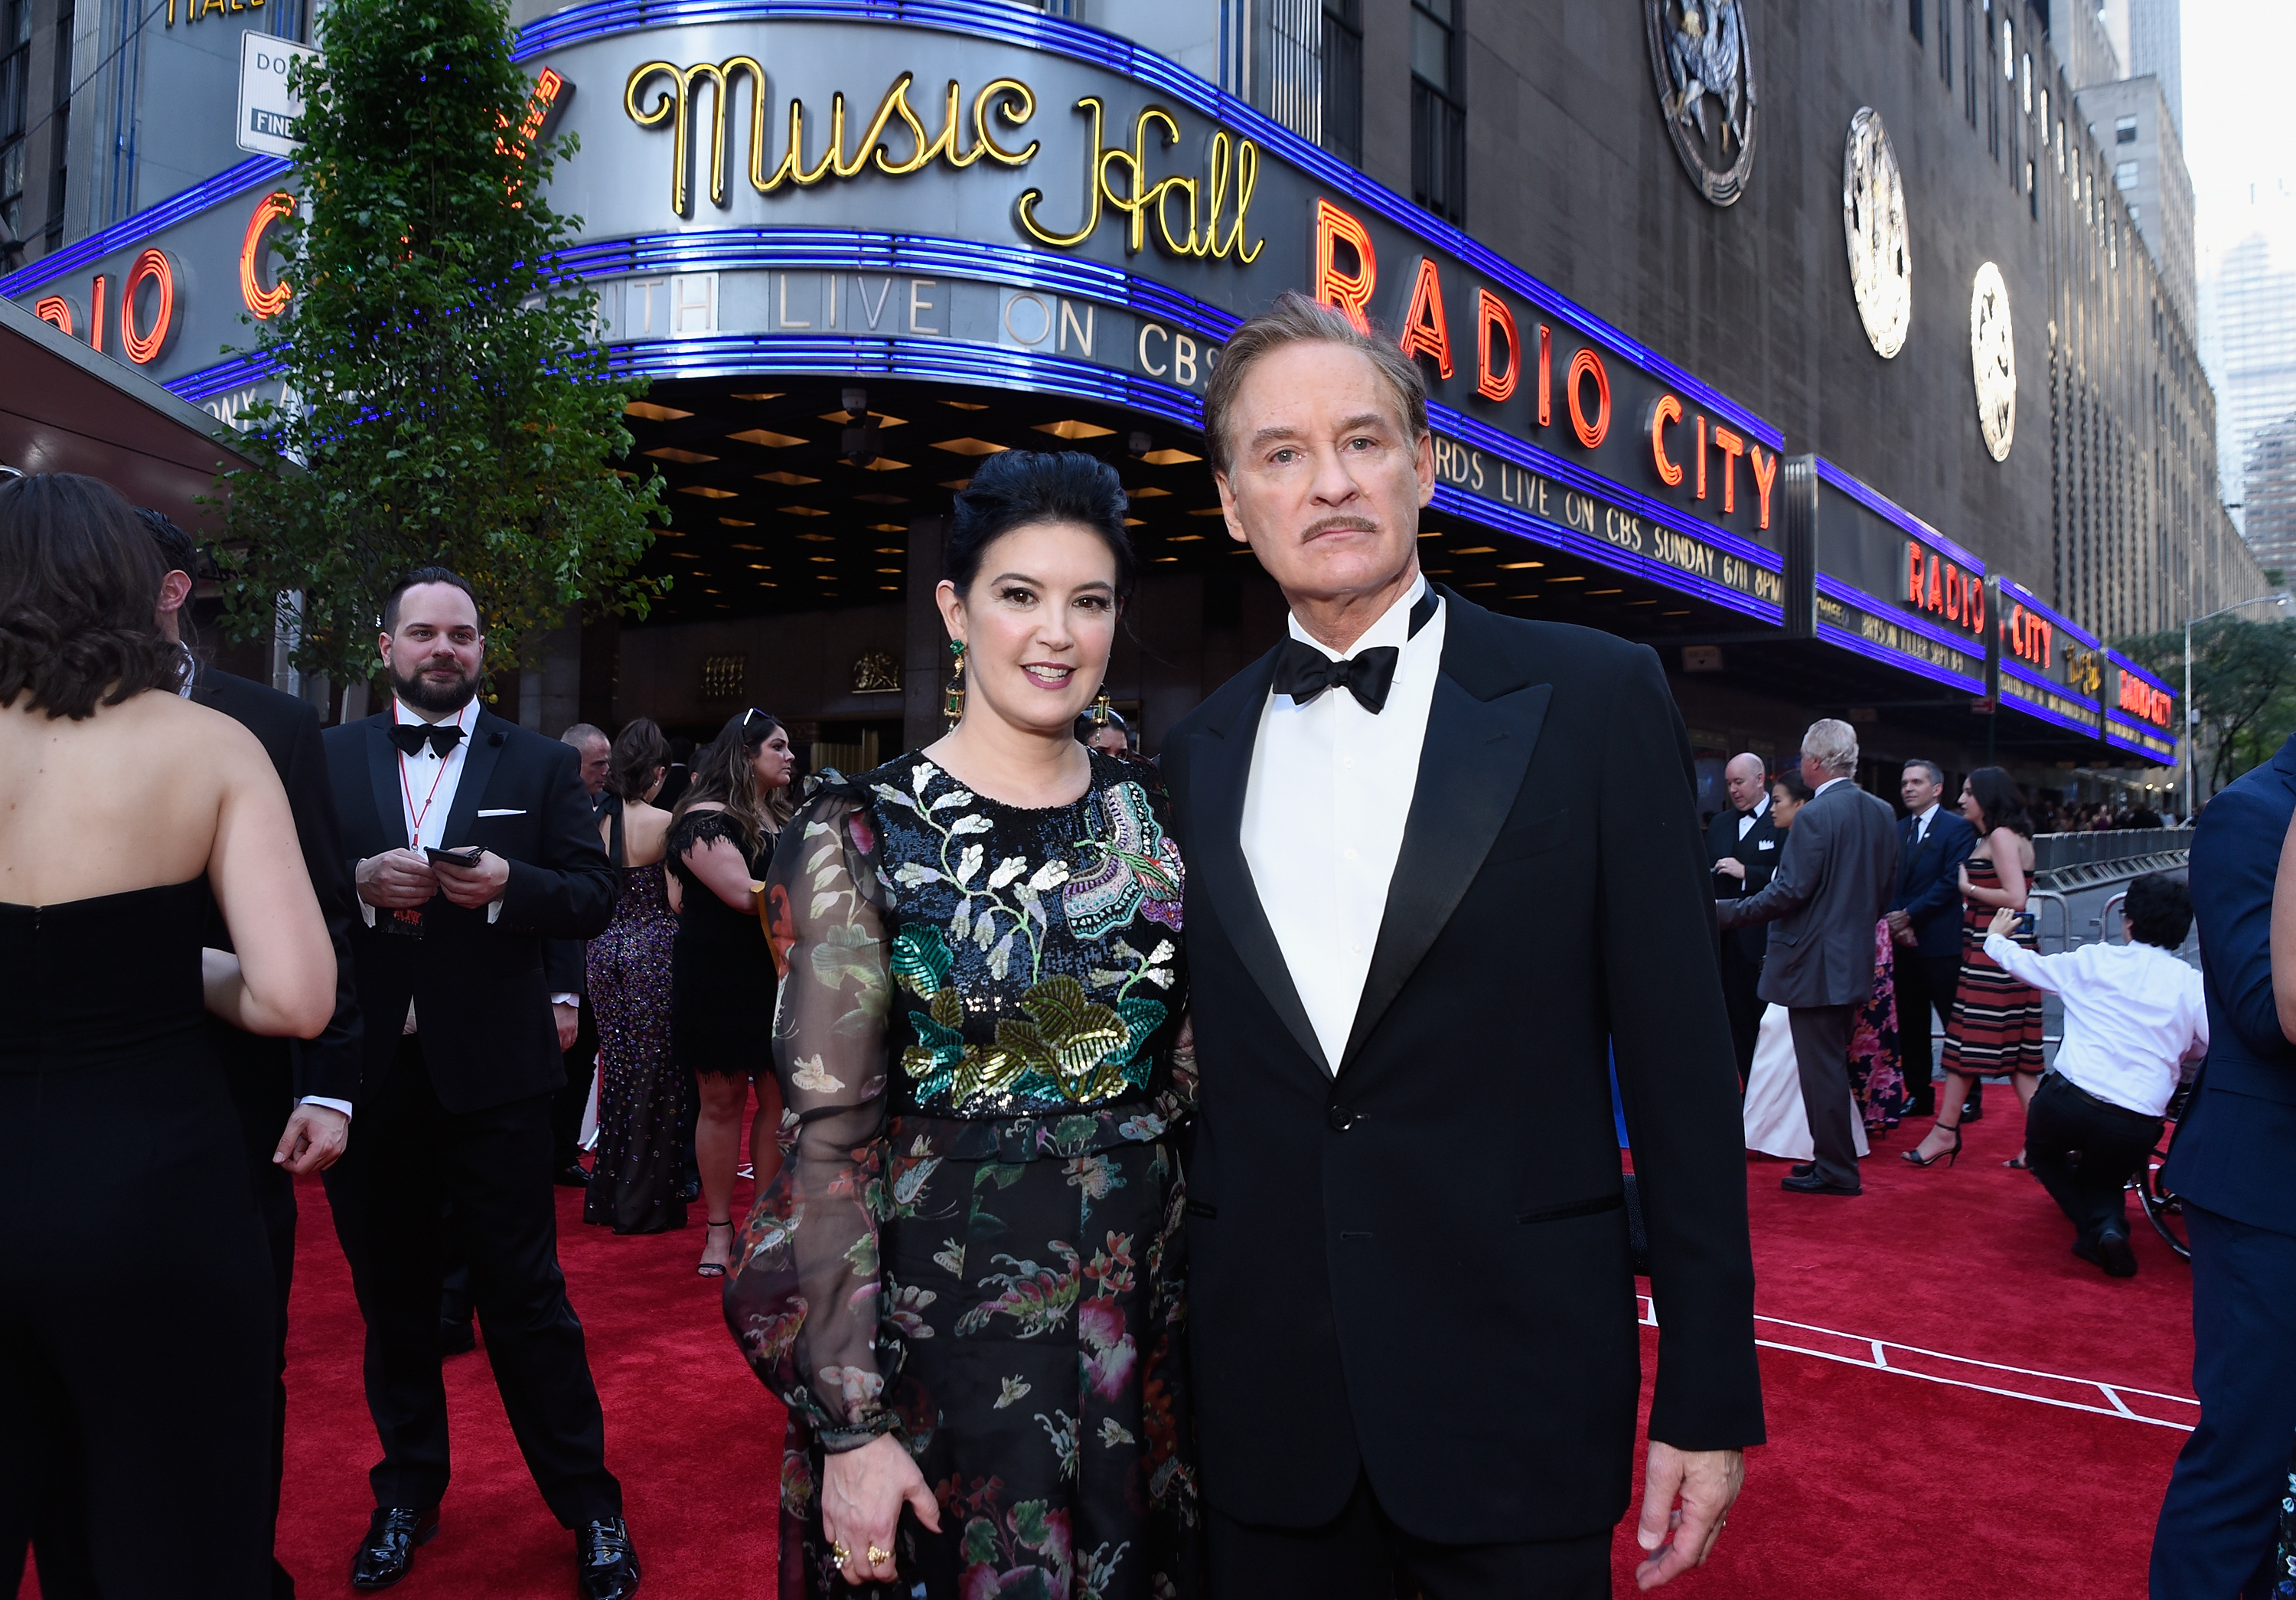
{"type": "Point", "coordinates": [1347, 854]}
{"type": "Point", "coordinates": [1355, 949]}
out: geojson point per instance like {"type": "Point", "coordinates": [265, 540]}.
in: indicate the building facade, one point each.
{"type": "Point", "coordinates": [2270, 477]}
{"type": "Point", "coordinates": [1812, 344]}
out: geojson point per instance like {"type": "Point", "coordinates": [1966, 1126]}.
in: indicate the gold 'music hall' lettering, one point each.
{"type": "Point", "coordinates": [1011, 99]}
{"type": "Point", "coordinates": [1190, 213]}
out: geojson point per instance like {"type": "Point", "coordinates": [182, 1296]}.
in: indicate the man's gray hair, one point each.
{"type": "Point", "coordinates": [1295, 319]}
{"type": "Point", "coordinates": [582, 733]}
{"type": "Point", "coordinates": [1832, 744]}
{"type": "Point", "coordinates": [1936, 772]}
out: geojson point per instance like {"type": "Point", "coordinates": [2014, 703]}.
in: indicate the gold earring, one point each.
{"type": "Point", "coordinates": [1101, 709]}
{"type": "Point", "coordinates": [952, 705]}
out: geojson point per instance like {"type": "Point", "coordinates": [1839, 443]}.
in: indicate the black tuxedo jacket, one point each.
{"type": "Point", "coordinates": [482, 999]}
{"type": "Point", "coordinates": [1758, 850]}
{"type": "Point", "coordinates": [1419, 1267]}
{"type": "Point", "coordinates": [1929, 880]}
{"type": "Point", "coordinates": [269, 1073]}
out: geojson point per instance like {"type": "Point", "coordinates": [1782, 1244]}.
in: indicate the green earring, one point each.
{"type": "Point", "coordinates": [952, 704]}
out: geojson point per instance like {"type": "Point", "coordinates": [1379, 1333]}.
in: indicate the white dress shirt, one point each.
{"type": "Point", "coordinates": [1324, 812]}
{"type": "Point", "coordinates": [2133, 1016]}
{"type": "Point", "coordinates": [1747, 819]}
{"type": "Point", "coordinates": [1828, 784]}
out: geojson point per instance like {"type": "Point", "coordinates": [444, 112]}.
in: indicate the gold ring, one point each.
{"type": "Point", "coordinates": [879, 1557]}
{"type": "Point", "coordinates": [839, 1554]}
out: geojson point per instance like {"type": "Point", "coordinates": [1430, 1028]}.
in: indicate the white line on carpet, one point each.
{"type": "Point", "coordinates": [1874, 1354]}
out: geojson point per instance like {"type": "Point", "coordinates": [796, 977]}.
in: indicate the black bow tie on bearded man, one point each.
{"type": "Point", "coordinates": [412, 736]}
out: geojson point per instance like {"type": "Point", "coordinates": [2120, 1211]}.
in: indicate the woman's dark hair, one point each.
{"type": "Point", "coordinates": [1797, 787]}
{"type": "Point", "coordinates": [1021, 488]}
{"type": "Point", "coordinates": [1999, 799]}
{"type": "Point", "coordinates": [80, 583]}
{"type": "Point", "coordinates": [2159, 910]}
{"type": "Point", "coordinates": [723, 773]}
{"type": "Point", "coordinates": [639, 752]}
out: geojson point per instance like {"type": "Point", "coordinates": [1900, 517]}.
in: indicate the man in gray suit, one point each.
{"type": "Point", "coordinates": [1834, 880]}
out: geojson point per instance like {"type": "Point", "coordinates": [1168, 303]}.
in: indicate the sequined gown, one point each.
{"type": "Point", "coordinates": [634, 1189]}
{"type": "Point", "coordinates": [974, 1243]}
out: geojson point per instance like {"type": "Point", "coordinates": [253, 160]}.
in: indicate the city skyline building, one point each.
{"type": "Point", "coordinates": [2156, 49]}
{"type": "Point", "coordinates": [2271, 470]}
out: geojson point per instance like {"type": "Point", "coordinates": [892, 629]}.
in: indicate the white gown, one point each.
{"type": "Point", "coordinates": [1776, 1124]}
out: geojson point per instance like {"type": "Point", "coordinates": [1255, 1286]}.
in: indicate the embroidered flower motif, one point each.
{"type": "Point", "coordinates": [1131, 870]}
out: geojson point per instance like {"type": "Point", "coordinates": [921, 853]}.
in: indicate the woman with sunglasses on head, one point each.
{"type": "Point", "coordinates": [721, 841]}
{"type": "Point", "coordinates": [965, 1286]}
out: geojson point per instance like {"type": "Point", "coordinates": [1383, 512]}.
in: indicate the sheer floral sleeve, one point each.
{"type": "Point", "coordinates": [803, 1299]}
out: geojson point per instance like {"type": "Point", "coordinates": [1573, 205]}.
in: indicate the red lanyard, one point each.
{"type": "Point", "coordinates": [408, 790]}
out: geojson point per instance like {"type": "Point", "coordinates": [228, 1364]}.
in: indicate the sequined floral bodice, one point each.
{"type": "Point", "coordinates": [1024, 963]}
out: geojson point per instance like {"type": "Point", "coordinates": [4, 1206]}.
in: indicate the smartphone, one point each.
{"type": "Point", "coordinates": [2024, 923]}
{"type": "Point", "coordinates": [466, 858]}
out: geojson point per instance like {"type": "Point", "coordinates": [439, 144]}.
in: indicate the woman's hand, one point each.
{"type": "Point", "coordinates": [1968, 890]}
{"type": "Point", "coordinates": [861, 1493]}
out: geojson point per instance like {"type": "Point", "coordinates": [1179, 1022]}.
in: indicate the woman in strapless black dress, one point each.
{"type": "Point", "coordinates": [721, 842]}
{"type": "Point", "coordinates": [136, 1284]}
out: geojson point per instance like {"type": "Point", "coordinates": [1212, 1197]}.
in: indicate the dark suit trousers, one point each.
{"type": "Point", "coordinates": [411, 1157]}
{"type": "Point", "coordinates": [1821, 1040]}
{"type": "Point", "coordinates": [1361, 1555]}
{"type": "Point", "coordinates": [1926, 984]}
{"type": "Point", "coordinates": [2083, 1151]}
{"type": "Point", "coordinates": [2220, 1521]}
{"type": "Point", "coordinates": [264, 1098]}
{"type": "Point", "coordinates": [567, 1105]}
{"type": "Point", "coordinates": [1742, 977]}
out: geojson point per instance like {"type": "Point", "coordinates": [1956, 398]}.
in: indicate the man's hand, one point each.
{"type": "Point", "coordinates": [472, 887]}
{"type": "Point", "coordinates": [1680, 1537]}
{"type": "Point", "coordinates": [2003, 922]}
{"type": "Point", "coordinates": [315, 1139]}
{"type": "Point", "coordinates": [1730, 867]}
{"type": "Point", "coordinates": [1901, 922]}
{"type": "Point", "coordinates": [569, 1019]}
{"type": "Point", "coordinates": [396, 879]}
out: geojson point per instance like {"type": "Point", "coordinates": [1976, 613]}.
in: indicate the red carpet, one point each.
{"type": "Point", "coordinates": [1877, 1482]}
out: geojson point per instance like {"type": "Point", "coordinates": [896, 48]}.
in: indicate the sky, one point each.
{"type": "Point", "coordinates": [2235, 128]}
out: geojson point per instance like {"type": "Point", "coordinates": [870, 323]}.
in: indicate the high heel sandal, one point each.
{"type": "Point", "coordinates": [1947, 1156]}
{"type": "Point", "coordinates": [713, 1269]}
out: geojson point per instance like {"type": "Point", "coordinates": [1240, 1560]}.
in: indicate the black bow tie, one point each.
{"type": "Point", "coordinates": [410, 736]}
{"type": "Point", "coordinates": [1303, 672]}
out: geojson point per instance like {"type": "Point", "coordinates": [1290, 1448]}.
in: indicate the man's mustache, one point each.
{"type": "Point", "coordinates": [1334, 523]}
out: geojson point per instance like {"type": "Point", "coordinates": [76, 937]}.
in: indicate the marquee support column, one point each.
{"type": "Point", "coordinates": [924, 664]}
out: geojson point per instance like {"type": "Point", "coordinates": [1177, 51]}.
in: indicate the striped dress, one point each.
{"type": "Point", "coordinates": [1995, 1026]}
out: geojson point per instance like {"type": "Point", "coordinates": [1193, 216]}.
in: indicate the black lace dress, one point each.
{"type": "Point", "coordinates": [974, 1242]}
{"type": "Point", "coordinates": [717, 1012]}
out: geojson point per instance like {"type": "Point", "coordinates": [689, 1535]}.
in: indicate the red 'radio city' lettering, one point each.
{"type": "Point", "coordinates": [1942, 588]}
{"type": "Point", "coordinates": [2030, 638]}
{"type": "Point", "coordinates": [2141, 701]}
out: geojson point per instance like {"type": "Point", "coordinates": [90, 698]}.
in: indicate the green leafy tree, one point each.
{"type": "Point", "coordinates": [445, 399]}
{"type": "Point", "coordinates": [2243, 687]}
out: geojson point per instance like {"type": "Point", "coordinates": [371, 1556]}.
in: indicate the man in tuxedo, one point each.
{"type": "Point", "coordinates": [1925, 921]}
{"type": "Point", "coordinates": [294, 1097]}
{"type": "Point", "coordinates": [461, 1063]}
{"type": "Point", "coordinates": [1743, 843]}
{"type": "Point", "coordinates": [1834, 882]}
{"type": "Point", "coordinates": [2234, 1162]}
{"type": "Point", "coordinates": [1410, 964]}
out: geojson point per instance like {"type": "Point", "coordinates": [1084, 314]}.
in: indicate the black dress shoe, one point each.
{"type": "Point", "coordinates": [605, 1562]}
{"type": "Point", "coordinates": [573, 1175]}
{"type": "Point", "coordinates": [1803, 1168]}
{"type": "Point", "coordinates": [1811, 1183]}
{"type": "Point", "coordinates": [690, 1190]}
{"type": "Point", "coordinates": [456, 1338]}
{"type": "Point", "coordinates": [2112, 1253]}
{"type": "Point", "coordinates": [389, 1545]}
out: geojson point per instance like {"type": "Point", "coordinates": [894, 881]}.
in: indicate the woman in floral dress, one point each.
{"type": "Point", "coordinates": [966, 1282]}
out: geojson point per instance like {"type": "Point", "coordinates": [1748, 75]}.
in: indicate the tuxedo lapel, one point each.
{"type": "Point", "coordinates": [1221, 761]}
{"type": "Point", "coordinates": [383, 769]}
{"type": "Point", "coordinates": [481, 752]}
{"type": "Point", "coordinates": [1480, 732]}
